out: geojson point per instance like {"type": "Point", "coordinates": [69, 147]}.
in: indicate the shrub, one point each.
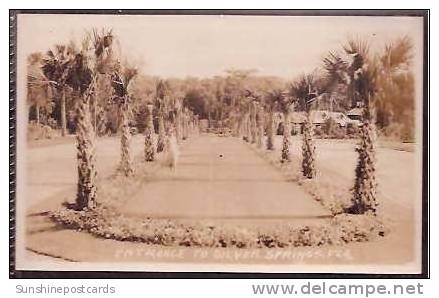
{"type": "Point", "coordinates": [319, 132]}
{"type": "Point", "coordinates": [338, 133]}
{"type": "Point", "coordinates": [329, 126]}
{"type": "Point", "coordinates": [37, 131]}
{"type": "Point", "coordinates": [352, 130]}
{"type": "Point", "coordinates": [107, 223]}
{"type": "Point", "coordinates": [294, 130]}
{"type": "Point", "coordinates": [399, 132]}
{"type": "Point", "coordinates": [280, 129]}
{"type": "Point", "coordinates": [141, 118]}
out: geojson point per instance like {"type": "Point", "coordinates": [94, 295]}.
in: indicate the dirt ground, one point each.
{"type": "Point", "coordinates": [222, 179]}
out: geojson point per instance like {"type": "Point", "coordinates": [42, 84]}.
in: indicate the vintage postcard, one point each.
{"type": "Point", "coordinates": [203, 141]}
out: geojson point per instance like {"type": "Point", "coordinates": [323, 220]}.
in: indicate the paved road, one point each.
{"type": "Point", "coordinates": [221, 178]}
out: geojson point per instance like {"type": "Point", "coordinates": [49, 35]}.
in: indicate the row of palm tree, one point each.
{"type": "Point", "coordinates": [354, 73]}
{"type": "Point", "coordinates": [80, 72]}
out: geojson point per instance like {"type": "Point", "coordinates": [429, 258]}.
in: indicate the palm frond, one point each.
{"type": "Point", "coordinates": [398, 54]}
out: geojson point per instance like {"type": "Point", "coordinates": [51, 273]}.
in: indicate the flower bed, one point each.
{"type": "Point", "coordinates": [107, 223]}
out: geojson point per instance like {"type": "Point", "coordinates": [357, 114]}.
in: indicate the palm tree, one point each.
{"type": "Point", "coordinates": [260, 125]}
{"type": "Point", "coordinates": [253, 103]}
{"type": "Point", "coordinates": [285, 106]}
{"type": "Point", "coordinates": [303, 90]}
{"type": "Point", "coordinates": [362, 73]}
{"type": "Point", "coordinates": [120, 81]}
{"type": "Point", "coordinates": [308, 149]}
{"type": "Point", "coordinates": [336, 80]}
{"type": "Point", "coordinates": [272, 101]}
{"type": "Point", "coordinates": [395, 86]}
{"type": "Point", "coordinates": [55, 68]}
{"type": "Point", "coordinates": [81, 79]}
{"type": "Point", "coordinates": [253, 123]}
{"type": "Point", "coordinates": [39, 90]}
{"type": "Point", "coordinates": [178, 121]}
{"type": "Point", "coordinates": [150, 147]}
{"type": "Point", "coordinates": [161, 90]}
{"type": "Point", "coordinates": [185, 121]}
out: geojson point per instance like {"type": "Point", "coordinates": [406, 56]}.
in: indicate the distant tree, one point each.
{"type": "Point", "coordinates": [336, 81]}
{"type": "Point", "coordinates": [39, 90]}
{"type": "Point", "coordinates": [395, 98]}
{"type": "Point", "coordinates": [195, 100]}
{"type": "Point", "coordinates": [56, 67]}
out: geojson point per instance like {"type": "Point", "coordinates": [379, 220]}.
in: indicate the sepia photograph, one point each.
{"type": "Point", "coordinates": [220, 141]}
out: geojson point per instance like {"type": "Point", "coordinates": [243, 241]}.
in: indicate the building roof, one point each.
{"type": "Point", "coordinates": [320, 117]}
{"type": "Point", "coordinates": [355, 112]}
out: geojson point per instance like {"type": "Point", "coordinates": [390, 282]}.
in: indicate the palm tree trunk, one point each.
{"type": "Point", "coordinates": [178, 126]}
{"type": "Point", "coordinates": [125, 166]}
{"type": "Point", "coordinates": [37, 112]}
{"type": "Point", "coordinates": [286, 140]}
{"type": "Point", "coordinates": [246, 127]}
{"type": "Point", "coordinates": [161, 141]}
{"type": "Point", "coordinates": [270, 131]}
{"type": "Point", "coordinates": [253, 125]}
{"type": "Point", "coordinates": [102, 122]}
{"type": "Point", "coordinates": [63, 112]}
{"type": "Point", "coordinates": [365, 188]}
{"type": "Point", "coordinates": [260, 128]}
{"type": "Point", "coordinates": [95, 106]}
{"type": "Point", "coordinates": [308, 150]}
{"type": "Point", "coordinates": [185, 125]}
{"type": "Point", "coordinates": [150, 148]}
{"type": "Point", "coordinates": [86, 197]}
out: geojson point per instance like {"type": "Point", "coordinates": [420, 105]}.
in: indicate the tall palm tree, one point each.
{"type": "Point", "coordinates": [179, 118]}
{"type": "Point", "coordinates": [362, 73]}
{"type": "Point", "coordinates": [272, 103]}
{"type": "Point", "coordinates": [308, 148]}
{"type": "Point", "coordinates": [185, 121]}
{"type": "Point", "coordinates": [260, 125]}
{"type": "Point", "coordinates": [286, 106]}
{"type": "Point", "coordinates": [253, 101]}
{"type": "Point", "coordinates": [304, 90]}
{"type": "Point", "coordinates": [120, 81]}
{"type": "Point", "coordinates": [81, 79]}
{"type": "Point", "coordinates": [56, 67]}
{"type": "Point", "coordinates": [253, 122]}
{"type": "Point", "coordinates": [150, 147]}
{"type": "Point", "coordinates": [336, 80]}
{"type": "Point", "coordinates": [161, 91]}
{"type": "Point", "coordinates": [395, 86]}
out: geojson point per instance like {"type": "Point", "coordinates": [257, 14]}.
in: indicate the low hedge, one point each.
{"type": "Point", "coordinates": [106, 222]}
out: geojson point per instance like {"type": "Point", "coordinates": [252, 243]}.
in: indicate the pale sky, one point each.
{"type": "Point", "coordinates": [179, 46]}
